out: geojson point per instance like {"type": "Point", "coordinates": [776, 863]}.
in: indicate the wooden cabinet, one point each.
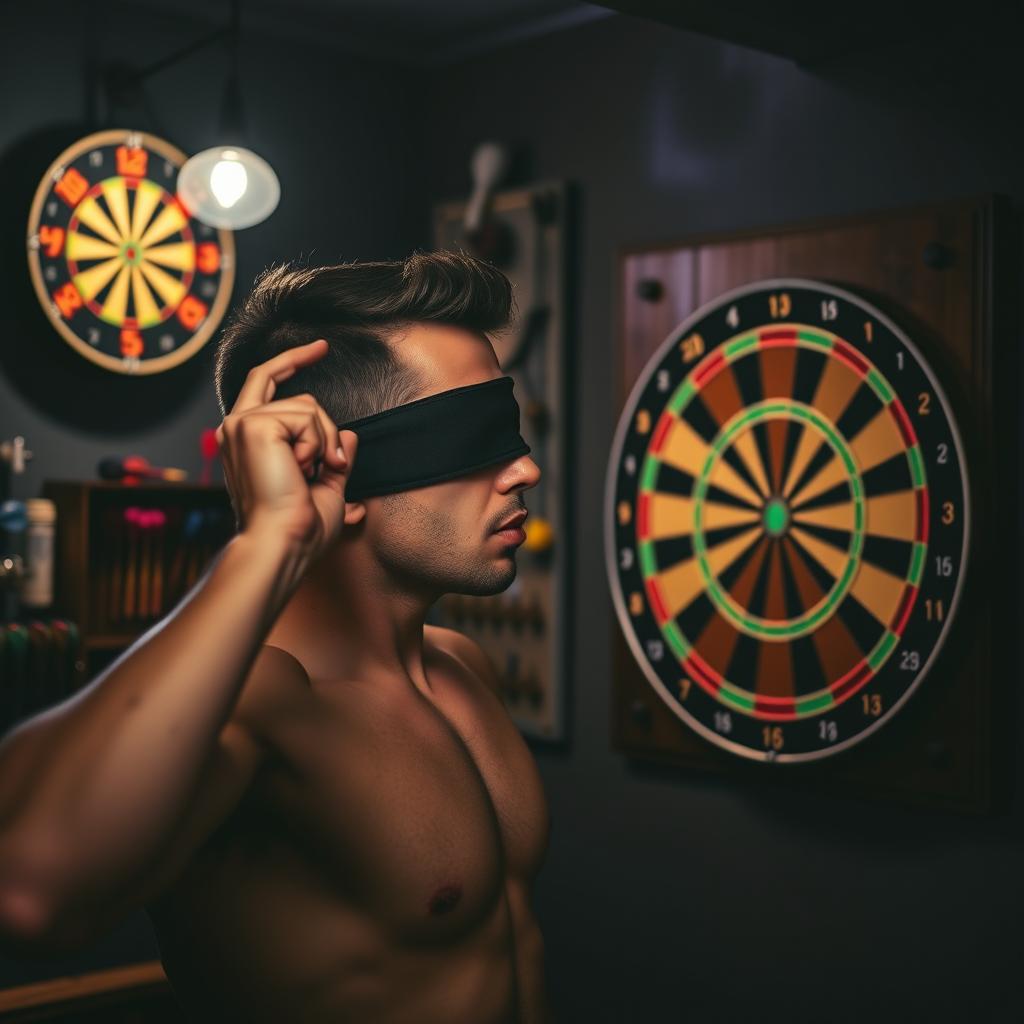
{"type": "Point", "coordinates": [135, 994]}
{"type": "Point", "coordinates": [126, 555]}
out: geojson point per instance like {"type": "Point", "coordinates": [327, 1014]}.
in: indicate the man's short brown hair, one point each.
{"type": "Point", "coordinates": [358, 308]}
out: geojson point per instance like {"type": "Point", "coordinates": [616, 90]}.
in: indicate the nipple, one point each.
{"type": "Point", "coordinates": [445, 899]}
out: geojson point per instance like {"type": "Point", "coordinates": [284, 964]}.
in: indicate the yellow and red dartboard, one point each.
{"type": "Point", "coordinates": [127, 277]}
{"type": "Point", "coordinates": [786, 520]}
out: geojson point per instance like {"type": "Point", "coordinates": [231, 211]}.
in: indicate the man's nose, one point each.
{"type": "Point", "coordinates": [523, 473]}
{"type": "Point", "coordinates": [533, 476]}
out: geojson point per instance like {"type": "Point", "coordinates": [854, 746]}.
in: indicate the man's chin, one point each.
{"type": "Point", "coordinates": [495, 579]}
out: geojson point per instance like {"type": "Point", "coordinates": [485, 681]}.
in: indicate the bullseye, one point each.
{"type": "Point", "coordinates": [775, 517]}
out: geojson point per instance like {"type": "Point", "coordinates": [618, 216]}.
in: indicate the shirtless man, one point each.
{"type": "Point", "coordinates": [320, 799]}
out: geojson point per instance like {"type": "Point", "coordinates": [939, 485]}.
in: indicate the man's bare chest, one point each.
{"type": "Point", "coordinates": [414, 809]}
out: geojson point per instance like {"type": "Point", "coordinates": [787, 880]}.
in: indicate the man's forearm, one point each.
{"type": "Point", "coordinates": [89, 790]}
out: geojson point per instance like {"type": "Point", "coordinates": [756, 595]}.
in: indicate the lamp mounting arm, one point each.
{"type": "Point", "coordinates": [120, 78]}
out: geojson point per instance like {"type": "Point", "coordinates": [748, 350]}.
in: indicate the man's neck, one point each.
{"type": "Point", "coordinates": [347, 622]}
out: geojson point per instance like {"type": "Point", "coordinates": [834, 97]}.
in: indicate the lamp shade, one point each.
{"type": "Point", "coordinates": [228, 187]}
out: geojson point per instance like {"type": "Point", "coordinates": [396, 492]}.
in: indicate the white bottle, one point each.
{"type": "Point", "coordinates": [37, 585]}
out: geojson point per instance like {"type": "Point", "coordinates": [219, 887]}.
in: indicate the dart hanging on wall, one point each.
{"type": "Point", "coordinates": [123, 271]}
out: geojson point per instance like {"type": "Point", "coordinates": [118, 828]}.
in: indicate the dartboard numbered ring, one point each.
{"type": "Point", "coordinates": [129, 279]}
{"type": "Point", "coordinates": [787, 515]}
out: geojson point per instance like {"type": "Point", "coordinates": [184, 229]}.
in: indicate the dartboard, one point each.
{"type": "Point", "coordinates": [786, 520]}
{"type": "Point", "coordinates": [127, 277]}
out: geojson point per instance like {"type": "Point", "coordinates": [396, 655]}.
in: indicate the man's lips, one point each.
{"type": "Point", "coordinates": [513, 522]}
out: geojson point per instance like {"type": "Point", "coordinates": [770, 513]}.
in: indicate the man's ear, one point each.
{"type": "Point", "coordinates": [355, 512]}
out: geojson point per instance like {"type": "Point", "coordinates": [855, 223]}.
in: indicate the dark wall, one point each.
{"type": "Point", "coordinates": [665, 897]}
{"type": "Point", "coordinates": [670, 897]}
{"type": "Point", "coordinates": [334, 127]}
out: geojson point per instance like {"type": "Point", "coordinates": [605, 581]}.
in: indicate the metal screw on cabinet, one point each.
{"type": "Point", "coordinates": [650, 289]}
{"type": "Point", "coordinates": [545, 207]}
{"type": "Point", "coordinates": [640, 712]}
{"type": "Point", "coordinates": [937, 256]}
{"type": "Point", "coordinates": [939, 755]}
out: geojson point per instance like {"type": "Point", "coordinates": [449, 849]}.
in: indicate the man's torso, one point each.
{"type": "Point", "coordinates": [379, 868]}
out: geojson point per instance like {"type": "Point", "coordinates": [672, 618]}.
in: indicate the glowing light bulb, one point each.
{"type": "Point", "coordinates": [228, 187]}
{"type": "Point", "coordinates": [228, 180]}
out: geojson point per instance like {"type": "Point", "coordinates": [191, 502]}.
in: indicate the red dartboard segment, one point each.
{"type": "Point", "coordinates": [708, 368]}
{"type": "Point", "coordinates": [777, 710]}
{"type": "Point", "coordinates": [786, 546]}
{"type": "Point", "coordinates": [642, 514]}
{"type": "Point", "coordinates": [850, 357]}
{"type": "Point", "coordinates": [661, 431]}
{"type": "Point", "coordinates": [906, 427]}
{"type": "Point", "coordinates": [852, 682]}
{"type": "Point", "coordinates": [702, 673]}
{"type": "Point", "coordinates": [921, 495]}
{"type": "Point", "coordinates": [899, 622]}
{"type": "Point", "coordinates": [777, 338]}
{"type": "Point", "coordinates": [705, 669]}
{"type": "Point", "coordinates": [654, 596]}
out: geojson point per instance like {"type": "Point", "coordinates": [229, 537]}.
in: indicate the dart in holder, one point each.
{"type": "Point", "coordinates": [126, 555]}
{"type": "Point", "coordinates": [488, 237]}
{"type": "Point", "coordinates": [148, 557]}
{"type": "Point", "coordinates": [133, 468]}
{"type": "Point", "coordinates": [210, 449]}
{"type": "Point", "coordinates": [40, 665]}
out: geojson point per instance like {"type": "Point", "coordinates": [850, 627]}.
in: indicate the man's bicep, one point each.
{"type": "Point", "coordinates": [226, 775]}
{"type": "Point", "coordinates": [276, 678]}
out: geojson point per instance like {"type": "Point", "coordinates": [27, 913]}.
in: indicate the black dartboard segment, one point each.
{"type": "Point", "coordinates": [123, 271]}
{"type": "Point", "coordinates": [786, 520]}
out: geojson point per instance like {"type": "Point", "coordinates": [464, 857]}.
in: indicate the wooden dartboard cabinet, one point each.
{"type": "Point", "coordinates": [942, 273]}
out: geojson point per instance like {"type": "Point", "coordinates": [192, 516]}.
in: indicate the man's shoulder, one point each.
{"type": "Point", "coordinates": [467, 651]}
{"type": "Point", "coordinates": [275, 681]}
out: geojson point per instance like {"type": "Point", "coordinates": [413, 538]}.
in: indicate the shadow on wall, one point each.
{"type": "Point", "coordinates": [36, 361]}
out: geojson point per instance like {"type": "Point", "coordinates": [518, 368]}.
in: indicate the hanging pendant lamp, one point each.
{"type": "Point", "coordinates": [228, 185]}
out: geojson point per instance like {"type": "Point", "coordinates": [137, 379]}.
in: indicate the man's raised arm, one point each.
{"type": "Point", "coordinates": [146, 759]}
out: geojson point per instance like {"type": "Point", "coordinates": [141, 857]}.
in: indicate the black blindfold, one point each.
{"type": "Point", "coordinates": [435, 438]}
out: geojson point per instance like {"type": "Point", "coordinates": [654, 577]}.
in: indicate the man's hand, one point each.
{"type": "Point", "coordinates": [285, 462]}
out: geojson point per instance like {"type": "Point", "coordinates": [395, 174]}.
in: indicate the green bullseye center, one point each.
{"type": "Point", "coordinates": [776, 517]}
{"type": "Point", "coordinates": [776, 513]}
